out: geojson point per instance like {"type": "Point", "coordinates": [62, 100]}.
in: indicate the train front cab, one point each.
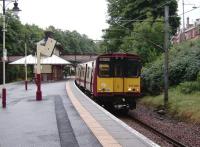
{"type": "Point", "coordinates": [118, 80]}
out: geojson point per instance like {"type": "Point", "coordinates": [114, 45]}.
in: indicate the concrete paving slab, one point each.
{"type": "Point", "coordinates": [124, 135]}
{"type": "Point", "coordinates": [29, 123]}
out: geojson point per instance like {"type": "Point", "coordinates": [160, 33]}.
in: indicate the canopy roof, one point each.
{"type": "Point", "coordinates": [53, 60]}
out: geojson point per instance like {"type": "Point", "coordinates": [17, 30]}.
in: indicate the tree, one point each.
{"type": "Point", "coordinates": [73, 42]}
{"type": "Point", "coordinates": [17, 34]}
{"type": "Point", "coordinates": [121, 11]}
{"type": "Point", "coordinates": [147, 39]}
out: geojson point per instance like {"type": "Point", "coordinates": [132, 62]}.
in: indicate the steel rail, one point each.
{"type": "Point", "coordinates": [170, 140]}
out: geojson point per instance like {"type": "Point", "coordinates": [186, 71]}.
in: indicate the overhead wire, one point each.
{"type": "Point", "coordinates": [148, 40]}
{"type": "Point", "coordinates": [136, 19]}
{"type": "Point", "coordinates": [186, 12]}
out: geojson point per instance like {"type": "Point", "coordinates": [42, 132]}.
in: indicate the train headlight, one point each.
{"type": "Point", "coordinates": [102, 89]}
{"type": "Point", "coordinates": [129, 89]}
{"type": "Point", "coordinates": [137, 90]}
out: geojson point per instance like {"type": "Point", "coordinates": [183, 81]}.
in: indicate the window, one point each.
{"type": "Point", "coordinates": [88, 72]}
{"type": "Point", "coordinates": [132, 67]}
{"type": "Point", "coordinates": [119, 67]}
{"type": "Point", "coordinates": [104, 69]}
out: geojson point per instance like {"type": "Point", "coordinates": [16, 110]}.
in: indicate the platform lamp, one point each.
{"type": "Point", "coordinates": [15, 10]}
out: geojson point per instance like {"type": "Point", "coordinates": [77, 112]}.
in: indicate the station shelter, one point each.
{"type": "Point", "coordinates": [51, 67]}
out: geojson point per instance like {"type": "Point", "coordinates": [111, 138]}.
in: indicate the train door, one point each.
{"type": "Point", "coordinates": [85, 76]}
{"type": "Point", "coordinates": [118, 80]}
{"type": "Point", "coordinates": [105, 78]}
{"type": "Point", "coordinates": [132, 69]}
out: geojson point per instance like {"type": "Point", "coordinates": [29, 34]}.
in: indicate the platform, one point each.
{"type": "Point", "coordinates": [66, 119]}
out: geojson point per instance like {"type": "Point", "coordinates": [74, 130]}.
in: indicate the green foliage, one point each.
{"type": "Point", "coordinates": [184, 65]}
{"type": "Point", "coordinates": [198, 77]}
{"type": "Point", "coordinates": [152, 77]}
{"type": "Point", "coordinates": [17, 34]}
{"type": "Point", "coordinates": [14, 73]}
{"type": "Point", "coordinates": [147, 39]}
{"type": "Point", "coordinates": [189, 87]}
{"type": "Point", "coordinates": [73, 42]}
{"type": "Point", "coordinates": [31, 35]}
{"type": "Point", "coordinates": [182, 106]}
{"type": "Point", "coordinates": [120, 33]}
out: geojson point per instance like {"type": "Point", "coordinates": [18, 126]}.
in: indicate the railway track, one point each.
{"type": "Point", "coordinates": [170, 140]}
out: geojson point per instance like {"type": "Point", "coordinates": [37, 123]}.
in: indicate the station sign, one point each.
{"type": "Point", "coordinates": [5, 55]}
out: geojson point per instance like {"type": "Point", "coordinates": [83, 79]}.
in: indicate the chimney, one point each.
{"type": "Point", "coordinates": [188, 23]}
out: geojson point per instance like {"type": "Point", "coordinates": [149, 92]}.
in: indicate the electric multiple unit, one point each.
{"type": "Point", "coordinates": [112, 79]}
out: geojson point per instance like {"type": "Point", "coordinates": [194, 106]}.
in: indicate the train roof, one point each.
{"type": "Point", "coordinates": [120, 55]}
{"type": "Point", "coordinates": [89, 64]}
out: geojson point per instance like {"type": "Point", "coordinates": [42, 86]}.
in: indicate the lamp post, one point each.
{"type": "Point", "coordinates": [183, 17]}
{"type": "Point", "coordinates": [26, 82]}
{"type": "Point", "coordinates": [38, 92]}
{"type": "Point", "coordinates": [183, 5]}
{"type": "Point", "coordinates": [15, 10]}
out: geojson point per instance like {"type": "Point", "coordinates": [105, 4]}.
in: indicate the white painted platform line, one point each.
{"type": "Point", "coordinates": [101, 134]}
{"type": "Point", "coordinates": [136, 133]}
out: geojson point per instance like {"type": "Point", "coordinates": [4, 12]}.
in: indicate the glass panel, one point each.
{"type": "Point", "coordinates": [132, 68]}
{"type": "Point", "coordinates": [104, 69]}
{"type": "Point", "coordinates": [118, 68]}
{"type": "Point", "coordinates": [112, 67]}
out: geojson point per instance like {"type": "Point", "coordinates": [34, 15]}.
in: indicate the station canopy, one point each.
{"type": "Point", "coordinates": [30, 59]}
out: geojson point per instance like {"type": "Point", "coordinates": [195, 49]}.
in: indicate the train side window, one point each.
{"type": "Point", "coordinates": [83, 71]}
{"type": "Point", "coordinates": [88, 72]}
{"type": "Point", "coordinates": [104, 69]}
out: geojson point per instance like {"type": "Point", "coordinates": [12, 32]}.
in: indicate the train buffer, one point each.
{"type": "Point", "coordinates": [64, 118]}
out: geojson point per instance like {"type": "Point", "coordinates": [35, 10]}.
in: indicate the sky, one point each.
{"type": "Point", "coordinates": [193, 15]}
{"type": "Point", "coordinates": [85, 16]}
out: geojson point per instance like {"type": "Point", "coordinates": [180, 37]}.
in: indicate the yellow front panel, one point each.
{"type": "Point", "coordinates": [132, 85]}
{"type": "Point", "coordinates": [118, 84]}
{"type": "Point", "coordinates": [104, 84]}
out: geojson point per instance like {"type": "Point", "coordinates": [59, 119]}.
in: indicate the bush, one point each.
{"type": "Point", "coordinates": [184, 65]}
{"type": "Point", "coordinates": [152, 79]}
{"type": "Point", "coordinates": [189, 87]}
{"type": "Point", "coordinates": [198, 77]}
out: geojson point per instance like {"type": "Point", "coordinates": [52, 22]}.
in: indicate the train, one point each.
{"type": "Point", "coordinates": [112, 80]}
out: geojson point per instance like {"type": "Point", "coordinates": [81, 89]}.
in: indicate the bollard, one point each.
{"type": "Point", "coordinates": [26, 84]}
{"type": "Point", "coordinates": [39, 92]}
{"type": "Point", "coordinates": [4, 97]}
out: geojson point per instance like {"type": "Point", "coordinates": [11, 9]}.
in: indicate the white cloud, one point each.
{"type": "Point", "coordinates": [85, 16]}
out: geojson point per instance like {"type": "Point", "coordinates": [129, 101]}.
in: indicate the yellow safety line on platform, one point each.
{"type": "Point", "coordinates": [101, 134]}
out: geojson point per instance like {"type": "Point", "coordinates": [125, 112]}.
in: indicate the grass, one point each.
{"type": "Point", "coordinates": [183, 106]}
